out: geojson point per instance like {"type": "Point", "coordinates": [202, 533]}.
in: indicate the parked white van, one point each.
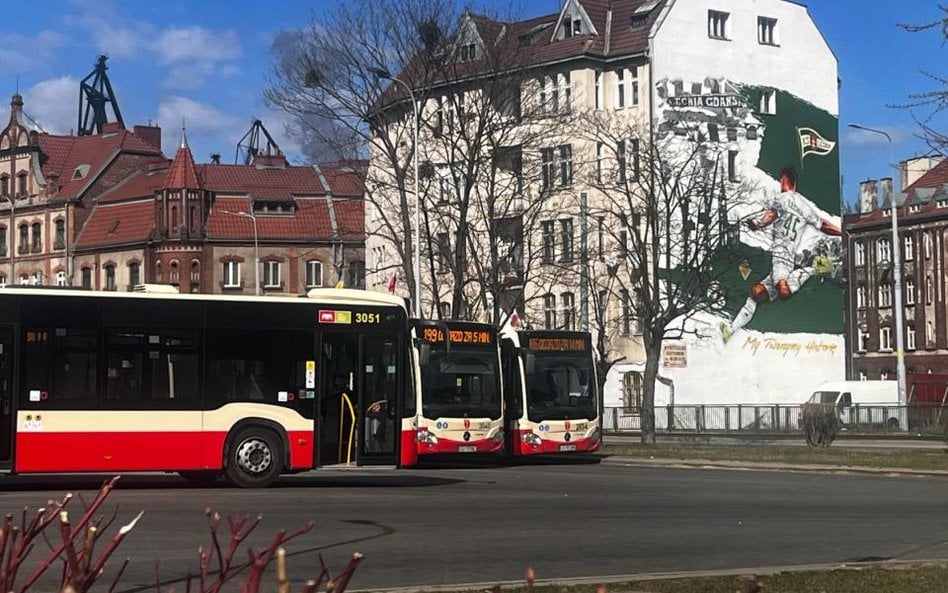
{"type": "Point", "coordinates": [862, 402]}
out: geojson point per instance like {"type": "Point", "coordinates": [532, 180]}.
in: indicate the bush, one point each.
{"type": "Point", "coordinates": [820, 424]}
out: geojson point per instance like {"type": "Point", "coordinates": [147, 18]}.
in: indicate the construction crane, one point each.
{"type": "Point", "coordinates": [94, 96]}
{"type": "Point", "coordinates": [251, 144]}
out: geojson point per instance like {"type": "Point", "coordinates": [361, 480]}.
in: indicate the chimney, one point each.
{"type": "Point", "coordinates": [112, 127]}
{"type": "Point", "coordinates": [269, 161]}
{"type": "Point", "coordinates": [886, 190]}
{"type": "Point", "coordinates": [216, 158]}
{"type": "Point", "coordinates": [868, 198]}
{"type": "Point", "coordinates": [150, 134]}
{"type": "Point", "coordinates": [911, 169]}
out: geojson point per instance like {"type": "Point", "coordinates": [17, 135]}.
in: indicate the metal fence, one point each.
{"type": "Point", "coordinates": [915, 419]}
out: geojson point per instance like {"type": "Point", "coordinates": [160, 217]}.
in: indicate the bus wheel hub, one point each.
{"type": "Point", "coordinates": [253, 455]}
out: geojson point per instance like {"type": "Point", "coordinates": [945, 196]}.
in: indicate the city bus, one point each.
{"type": "Point", "coordinates": [204, 385]}
{"type": "Point", "coordinates": [551, 394]}
{"type": "Point", "coordinates": [460, 407]}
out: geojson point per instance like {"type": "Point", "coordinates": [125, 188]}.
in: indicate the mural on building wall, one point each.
{"type": "Point", "coordinates": [779, 296]}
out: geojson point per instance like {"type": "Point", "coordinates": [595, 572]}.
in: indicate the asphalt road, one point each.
{"type": "Point", "coordinates": [457, 525]}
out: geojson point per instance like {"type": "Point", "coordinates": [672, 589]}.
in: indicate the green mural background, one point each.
{"type": "Point", "coordinates": [818, 306]}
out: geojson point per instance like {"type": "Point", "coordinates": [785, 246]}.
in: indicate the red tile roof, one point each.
{"type": "Point", "coordinates": [118, 224]}
{"type": "Point", "coordinates": [345, 180]}
{"type": "Point", "coordinates": [137, 185]}
{"type": "Point", "coordinates": [65, 154]}
{"type": "Point", "coordinates": [934, 178]}
{"type": "Point", "coordinates": [183, 174]}
{"type": "Point", "coordinates": [350, 218]}
{"type": "Point", "coordinates": [309, 221]}
{"type": "Point", "coordinates": [261, 183]}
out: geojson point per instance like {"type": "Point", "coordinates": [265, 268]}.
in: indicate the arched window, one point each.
{"type": "Point", "coordinates": [192, 219]}
{"type": "Point", "coordinates": [173, 279]}
{"type": "Point", "coordinates": [158, 277]}
{"type": "Point", "coordinates": [21, 185]}
{"type": "Point", "coordinates": [314, 273]}
{"type": "Point", "coordinates": [134, 275]}
{"type": "Point", "coordinates": [24, 238]}
{"type": "Point", "coordinates": [87, 278]}
{"type": "Point", "coordinates": [3, 241]}
{"type": "Point", "coordinates": [59, 241]}
{"type": "Point", "coordinates": [37, 238]}
{"type": "Point", "coordinates": [110, 277]}
{"type": "Point", "coordinates": [4, 185]}
{"type": "Point", "coordinates": [174, 219]}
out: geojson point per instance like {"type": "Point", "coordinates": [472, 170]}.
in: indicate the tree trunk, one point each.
{"type": "Point", "coordinates": [653, 353]}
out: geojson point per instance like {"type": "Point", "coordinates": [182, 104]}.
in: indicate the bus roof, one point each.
{"type": "Point", "coordinates": [336, 296]}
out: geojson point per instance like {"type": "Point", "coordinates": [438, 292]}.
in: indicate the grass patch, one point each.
{"type": "Point", "coordinates": [919, 459]}
{"type": "Point", "coordinates": [900, 578]}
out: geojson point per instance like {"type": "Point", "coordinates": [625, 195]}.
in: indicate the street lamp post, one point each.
{"type": "Point", "coordinates": [256, 246]}
{"type": "Point", "coordinates": [385, 74]}
{"type": "Point", "coordinates": [896, 277]}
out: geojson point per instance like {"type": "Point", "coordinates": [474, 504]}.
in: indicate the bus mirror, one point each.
{"type": "Point", "coordinates": [424, 353]}
{"type": "Point", "coordinates": [529, 362]}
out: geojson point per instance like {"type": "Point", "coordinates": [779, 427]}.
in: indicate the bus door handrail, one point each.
{"type": "Point", "coordinates": [344, 397]}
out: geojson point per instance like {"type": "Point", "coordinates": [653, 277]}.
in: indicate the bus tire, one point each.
{"type": "Point", "coordinates": [255, 458]}
{"type": "Point", "coordinates": [200, 477]}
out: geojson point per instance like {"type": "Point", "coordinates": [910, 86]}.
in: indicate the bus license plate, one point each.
{"type": "Point", "coordinates": [567, 447]}
{"type": "Point", "coordinates": [467, 448]}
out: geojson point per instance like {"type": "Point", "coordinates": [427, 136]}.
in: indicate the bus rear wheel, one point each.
{"type": "Point", "coordinates": [255, 458]}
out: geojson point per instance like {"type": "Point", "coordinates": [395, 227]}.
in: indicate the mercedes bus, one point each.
{"type": "Point", "coordinates": [460, 405]}
{"type": "Point", "coordinates": [551, 395]}
{"type": "Point", "coordinates": [204, 385]}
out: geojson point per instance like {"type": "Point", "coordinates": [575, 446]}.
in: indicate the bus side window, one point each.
{"type": "Point", "coordinates": [60, 363]}
{"type": "Point", "coordinates": [845, 400]}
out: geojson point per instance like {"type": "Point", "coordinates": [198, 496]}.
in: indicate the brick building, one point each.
{"type": "Point", "coordinates": [923, 232]}
{"type": "Point", "coordinates": [109, 211]}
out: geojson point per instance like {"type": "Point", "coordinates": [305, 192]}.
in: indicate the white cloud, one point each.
{"type": "Point", "coordinates": [202, 121]}
{"type": "Point", "coordinates": [197, 43]}
{"type": "Point", "coordinates": [188, 76]}
{"type": "Point", "coordinates": [54, 104]}
{"type": "Point", "coordinates": [21, 53]}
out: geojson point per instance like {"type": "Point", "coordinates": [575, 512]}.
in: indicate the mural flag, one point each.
{"type": "Point", "coordinates": [811, 142]}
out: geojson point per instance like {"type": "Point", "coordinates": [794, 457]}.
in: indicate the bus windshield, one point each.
{"type": "Point", "coordinates": [561, 387]}
{"type": "Point", "coordinates": [462, 383]}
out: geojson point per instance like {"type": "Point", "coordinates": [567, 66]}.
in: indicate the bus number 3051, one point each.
{"type": "Point", "coordinates": [368, 317]}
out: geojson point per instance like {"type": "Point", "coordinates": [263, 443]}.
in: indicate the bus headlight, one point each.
{"type": "Point", "coordinates": [498, 436]}
{"type": "Point", "coordinates": [531, 439]}
{"type": "Point", "coordinates": [426, 437]}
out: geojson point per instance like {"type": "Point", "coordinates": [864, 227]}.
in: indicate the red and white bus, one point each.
{"type": "Point", "coordinates": [551, 394]}
{"type": "Point", "coordinates": [204, 385]}
{"type": "Point", "coordinates": [460, 407]}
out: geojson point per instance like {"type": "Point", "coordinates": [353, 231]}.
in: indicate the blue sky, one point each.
{"type": "Point", "coordinates": [209, 62]}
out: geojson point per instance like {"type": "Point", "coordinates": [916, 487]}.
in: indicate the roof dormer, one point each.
{"type": "Point", "coordinates": [573, 22]}
{"type": "Point", "coordinates": [469, 45]}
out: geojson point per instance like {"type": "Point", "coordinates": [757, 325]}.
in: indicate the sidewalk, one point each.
{"type": "Point", "coordinates": [750, 440]}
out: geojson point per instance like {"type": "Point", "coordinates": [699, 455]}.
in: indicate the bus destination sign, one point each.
{"type": "Point", "coordinates": [458, 336]}
{"type": "Point", "coordinates": [557, 344]}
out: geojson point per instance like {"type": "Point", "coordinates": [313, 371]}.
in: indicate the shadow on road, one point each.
{"type": "Point", "coordinates": [468, 462]}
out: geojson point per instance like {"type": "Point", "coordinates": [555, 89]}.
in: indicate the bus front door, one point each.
{"type": "Point", "coordinates": [7, 411]}
{"type": "Point", "coordinates": [378, 402]}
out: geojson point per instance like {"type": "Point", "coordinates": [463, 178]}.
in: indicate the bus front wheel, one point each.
{"type": "Point", "coordinates": [255, 458]}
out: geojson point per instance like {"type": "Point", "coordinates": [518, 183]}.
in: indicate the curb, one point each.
{"type": "Point", "coordinates": [645, 577]}
{"type": "Point", "coordinates": [757, 466]}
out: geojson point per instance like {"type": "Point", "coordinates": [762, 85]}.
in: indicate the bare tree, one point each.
{"type": "Point", "coordinates": [331, 78]}
{"type": "Point", "coordinates": [928, 106]}
{"type": "Point", "coordinates": [665, 200]}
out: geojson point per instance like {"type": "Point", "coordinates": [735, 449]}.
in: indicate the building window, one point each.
{"type": "Point", "coordinates": [626, 328]}
{"type": "Point", "coordinates": [37, 238]}
{"type": "Point", "coordinates": [632, 391]}
{"type": "Point", "coordinates": [314, 273]}
{"type": "Point", "coordinates": [634, 86]}
{"type": "Point", "coordinates": [566, 93]}
{"type": "Point", "coordinates": [195, 272]}
{"type": "Point", "coordinates": [884, 374]}
{"type": "Point", "coordinates": [929, 291]}
{"type": "Point", "coordinates": [231, 274]}
{"type": "Point", "coordinates": [24, 238]}
{"type": "Point", "coordinates": [87, 278]}
{"type": "Point", "coordinates": [766, 31]}
{"type": "Point", "coordinates": [134, 275]}
{"type": "Point", "coordinates": [861, 296]}
{"type": "Point", "coordinates": [174, 275]}
{"type": "Point", "coordinates": [910, 337]}
{"type": "Point", "coordinates": [110, 277]}
{"type": "Point", "coordinates": [915, 208]}
{"type": "Point", "coordinates": [927, 245]}
{"type": "Point", "coordinates": [548, 169]}
{"type": "Point", "coordinates": [909, 243]}
{"type": "Point", "coordinates": [59, 241]}
{"type": "Point", "coordinates": [885, 338]}
{"type": "Point", "coordinates": [732, 165]}
{"type": "Point", "coordinates": [549, 240]}
{"type": "Point", "coordinates": [566, 165]}
{"type": "Point", "coordinates": [271, 274]}
{"type": "Point", "coordinates": [883, 251]}
{"type": "Point", "coordinates": [5, 185]}
{"type": "Point", "coordinates": [569, 310]}
{"type": "Point", "coordinates": [444, 309]}
{"type": "Point", "coordinates": [356, 274]}
{"type": "Point", "coordinates": [3, 280]}
{"type": "Point", "coordinates": [21, 185]}
{"type": "Point", "coordinates": [717, 24]}
{"type": "Point", "coordinates": [859, 254]}
{"type": "Point", "coordinates": [468, 52]}
{"type": "Point", "coordinates": [599, 89]}
{"type": "Point", "coordinates": [768, 102]}
{"type": "Point", "coordinates": [3, 241]}
{"type": "Point", "coordinates": [24, 280]}
{"type": "Point", "coordinates": [549, 311]}
{"type": "Point", "coordinates": [620, 88]}
{"type": "Point", "coordinates": [443, 246]}
{"type": "Point", "coordinates": [909, 291]}
{"type": "Point", "coordinates": [566, 240]}
{"type": "Point", "coordinates": [930, 332]}
{"type": "Point", "coordinates": [174, 219]}
{"type": "Point", "coordinates": [885, 295]}
{"type": "Point", "coordinates": [60, 278]}
{"type": "Point", "coordinates": [862, 338]}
